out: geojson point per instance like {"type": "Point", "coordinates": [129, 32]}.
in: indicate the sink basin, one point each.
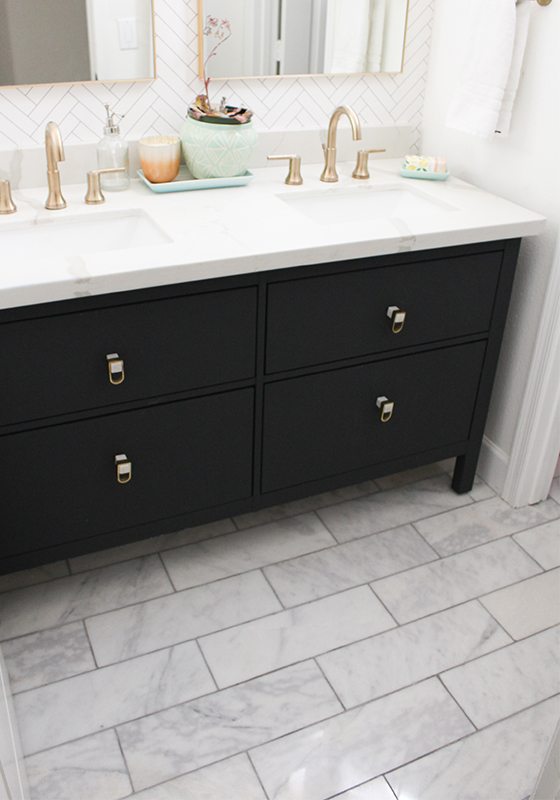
{"type": "Point", "coordinates": [363, 203]}
{"type": "Point", "coordinates": [50, 237]}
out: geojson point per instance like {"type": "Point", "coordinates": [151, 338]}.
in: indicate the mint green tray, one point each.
{"type": "Point", "coordinates": [184, 182]}
{"type": "Point", "coordinates": [424, 176]}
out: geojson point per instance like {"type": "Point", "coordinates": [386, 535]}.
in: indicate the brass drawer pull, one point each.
{"type": "Point", "coordinates": [115, 368]}
{"type": "Point", "coordinates": [386, 408]}
{"type": "Point", "coordinates": [124, 468]}
{"type": "Point", "coordinates": [397, 316]}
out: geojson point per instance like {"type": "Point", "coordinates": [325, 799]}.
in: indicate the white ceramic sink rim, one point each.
{"type": "Point", "coordinates": [81, 235]}
{"type": "Point", "coordinates": [343, 205]}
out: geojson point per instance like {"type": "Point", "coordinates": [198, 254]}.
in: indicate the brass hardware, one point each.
{"type": "Point", "coordinates": [115, 368]}
{"type": "Point", "coordinates": [55, 153]}
{"type": "Point", "coordinates": [330, 174]}
{"type": "Point", "coordinates": [294, 175]}
{"type": "Point", "coordinates": [94, 195]}
{"type": "Point", "coordinates": [124, 468]}
{"type": "Point", "coordinates": [544, 2]}
{"type": "Point", "coordinates": [361, 171]}
{"type": "Point", "coordinates": [7, 205]}
{"type": "Point", "coordinates": [398, 318]}
{"type": "Point", "coordinates": [386, 408]}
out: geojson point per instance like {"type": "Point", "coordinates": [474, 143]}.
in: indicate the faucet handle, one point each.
{"type": "Point", "coordinates": [7, 205]}
{"type": "Point", "coordinates": [361, 171]}
{"type": "Point", "coordinates": [294, 175]}
{"type": "Point", "coordinates": [94, 195]}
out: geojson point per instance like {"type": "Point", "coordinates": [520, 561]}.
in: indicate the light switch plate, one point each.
{"type": "Point", "coordinates": [128, 33]}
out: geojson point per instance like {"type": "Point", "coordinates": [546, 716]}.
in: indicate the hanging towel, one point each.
{"type": "Point", "coordinates": [376, 36]}
{"type": "Point", "coordinates": [497, 45]}
{"type": "Point", "coordinates": [349, 35]}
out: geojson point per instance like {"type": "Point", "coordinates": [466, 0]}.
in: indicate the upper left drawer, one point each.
{"type": "Point", "coordinates": [57, 365]}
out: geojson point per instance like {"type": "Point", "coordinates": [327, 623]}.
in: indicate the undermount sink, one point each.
{"type": "Point", "coordinates": [363, 203]}
{"type": "Point", "coordinates": [49, 237]}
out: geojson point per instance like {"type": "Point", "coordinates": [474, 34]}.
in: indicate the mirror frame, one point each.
{"type": "Point", "coordinates": [291, 75]}
{"type": "Point", "coordinates": [4, 87]}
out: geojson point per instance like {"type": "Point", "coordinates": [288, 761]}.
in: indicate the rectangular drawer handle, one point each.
{"type": "Point", "coordinates": [386, 408]}
{"type": "Point", "coordinates": [115, 368]}
{"type": "Point", "coordinates": [398, 317]}
{"type": "Point", "coordinates": [124, 468]}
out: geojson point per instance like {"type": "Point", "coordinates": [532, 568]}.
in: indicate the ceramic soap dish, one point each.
{"type": "Point", "coordinates": [184, 182]}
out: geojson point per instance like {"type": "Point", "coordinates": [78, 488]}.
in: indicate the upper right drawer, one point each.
{"type": "Point", "coordinates": [347, 315]}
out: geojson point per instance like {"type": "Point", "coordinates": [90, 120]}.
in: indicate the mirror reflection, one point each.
{"type": "Point", "coordinates": [303, 37]}
{"type": "Point", "coordinates": [67, 41]}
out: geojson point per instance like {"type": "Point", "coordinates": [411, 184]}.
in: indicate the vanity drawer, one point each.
{"type": "Point", "coordinates": [334, 317]}
{"type": "Point", "coordinates": [60, 484]}
{"type": "Point", "coordinates": [58, 364]}
{"type": "Point", "coordinates": [328, 424]}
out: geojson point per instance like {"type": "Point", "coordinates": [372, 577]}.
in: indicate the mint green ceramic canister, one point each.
{"type": "Point", "coordinates": [217, 150]}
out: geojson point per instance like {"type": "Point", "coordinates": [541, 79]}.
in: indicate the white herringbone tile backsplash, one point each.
{"type": "Point", "coordinates": [159, 106]}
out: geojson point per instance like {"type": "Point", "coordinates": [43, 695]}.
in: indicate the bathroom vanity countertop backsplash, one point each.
{"type": "Point", "coordinates": [266, 225]}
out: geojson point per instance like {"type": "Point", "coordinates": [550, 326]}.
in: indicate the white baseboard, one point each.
{"type": "Point", "coordinates": [493, 465]}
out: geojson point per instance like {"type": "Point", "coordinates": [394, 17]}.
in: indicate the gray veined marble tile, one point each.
{"type": "Point", "coordinates": [501, 762]}
{"type": "Point", "coordinates": [542, 543]}
{"type": "Point", "coordinates": [327, 571]}
{"type": "Point", "coordinates": [384, 510]}
{"type": "Point", "coordinates": [88, 703]}
{"type": "Point", "coordinates": [89, 769]}
{"type": "Point", "coordinates": [377, 789]}
{"type": "Point", "coordinates": [52, 655]}
{"type": "Point", "coordinates": [233, 779]}
{"type": "Point", "coordinates": [153, 545]}
{"type": "Point", "coordinates": [332, 756]}
{"type": "Point", "coordinates": [193, 735]}
{"type": "Point", "coordinates": [527, 607]}
{"type": "Point", "coordinates": [455, 579]}
{"type": "Point", "coordinates": [303, 505]}
{"type": "Point", "coordinates": [178, 617]}
{"type": "Point", "coordinates": [481, 490]}
{"type": "Point", "coordinates": [502, 683]}
{"type": "Point", "coordinates": [380, 665]}
{"type": "Point", "coordinates": [29, 577]}
{"type": "Point", "coordinates": [481, 523]}
{"type": "Point", "coordinates": [246, 550]}
{"type": "Point", "coordinates": [407, 476]}
{"type": "Point", "coordinates": [76, 596]}
{"type": "Point", "coordinates": [267, 644]}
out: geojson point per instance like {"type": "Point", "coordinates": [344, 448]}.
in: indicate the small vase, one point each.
{"type": "Point", "coordinates": [217, 150]}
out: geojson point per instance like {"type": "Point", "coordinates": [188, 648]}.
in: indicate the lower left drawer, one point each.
{"type": "Point", "coordinates": [64, 483]}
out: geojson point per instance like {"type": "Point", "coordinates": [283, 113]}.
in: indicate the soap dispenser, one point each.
{"type": "Point", "coordinates": [112, 152]}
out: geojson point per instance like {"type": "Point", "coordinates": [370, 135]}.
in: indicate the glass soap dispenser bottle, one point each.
{"type": "Point", "coordinates": [112, 151]}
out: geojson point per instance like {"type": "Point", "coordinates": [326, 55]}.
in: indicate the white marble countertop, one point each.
{"type": "Point", "coordinates": [224, 232]}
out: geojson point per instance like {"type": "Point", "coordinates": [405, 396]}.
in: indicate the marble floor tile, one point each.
{"type": "Point", "coordinates": [333, 756]}
{"type": "Point", "coordinates": [29, 577]}
{"type": "Point", "coordinates": [254, 648]}
{"type": "Point", "coordinates": [365, 670]}
{"type": "Point", "coordinates": [379, 512]}
{"type": "Point", "coordinates": [453, 580]}
{"type": "Point", "coordinates": [89, 769]}
{"type": "Point", "coordinates": [155, 544]}
{"type": "Point", "coordinates": [555, 489]}
{"type": "Point", "coordinates": [377, 789]}
{"type": "Point", "coordinates": [179, 617]}
{"type": "Point", "coordinates": [510, 680]}
{"type": "Point", "coordinates": [67, 599]}
{"type": "Point", "coordinates": [481, 523]}
{"type": "Point", "coordinates": [305, 504]}
{"type": "Point", "coordinates": [233, 779]}
{"type": "Point", "coordinates": [246, 550]}
{"type": "Point", "coordinates": [542, 543]}
{"type": "Point", "coordinates": [336, 568]}
{"type": "Point", "coordinates": [88, 703]}
{"type": "Point", "coordinates": [399, 479]}
{"type": "Point", "coordinates": [527, 607]}
{"type": "Point", "coordinates": [51, 655]}
{"type": "Point", "coordinates": [195, 734]}
{"type": "Point", "coordinates": [481, 490]}
{"type": "Point", "coordinates": [501, 762]}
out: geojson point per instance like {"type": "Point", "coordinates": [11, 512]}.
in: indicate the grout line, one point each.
{"type": "Point", "coordinates": [457, 703]}
{"type": "Point", "coordinates": [386, 779]}
{"type": "Point", "coordinates": [201, 651]}
{"type": "Point", "coordinates": [533, 559]}
{"type": "Point", "coordinates": [124, 760]}
{"type": "Point", "coordinates": [498, 623]}
{"type": "Point", "coordinates": [248, 754]}
{"type": "Point", "coordinates": [395, 620]}
{"type": "Point", "coordinates": [91, 649]}
{"type": "Point", "coordinates": [164, 566]}
{"type": "Point", "coordinates": [513, 535]}
{"type": "Point", "coordinates": [275, 593]}
{"type": "Point", "coordinates": [322, 671]}
{"type": "Point", "coordinates": [421, 535]}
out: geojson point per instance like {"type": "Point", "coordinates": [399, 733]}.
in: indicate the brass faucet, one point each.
{"type": "Point", "coordinates": [55, 153]}
{"type": "Point", "coordinates": [329, 173]}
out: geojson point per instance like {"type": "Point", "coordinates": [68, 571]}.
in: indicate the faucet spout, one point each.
{"type": "Point", "coordinates": [330, 174]}
{"type": "Point", "coordinates": [55, 153]}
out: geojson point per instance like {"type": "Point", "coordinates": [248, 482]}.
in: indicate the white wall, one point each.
{"type": "Point", "coordinates": [109, 59]}
{"type": "Point", "coordinates": [524, 168]}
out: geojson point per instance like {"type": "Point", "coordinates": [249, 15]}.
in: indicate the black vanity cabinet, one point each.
{"type": "Point", "coordinates": [138, 413]}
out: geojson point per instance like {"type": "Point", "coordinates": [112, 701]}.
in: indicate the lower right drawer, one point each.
{"type": "Point", "coordinates": [331, 423]}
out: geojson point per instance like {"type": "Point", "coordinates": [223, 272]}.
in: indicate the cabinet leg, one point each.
{"type": "Point", "coordinates": [464, 473]}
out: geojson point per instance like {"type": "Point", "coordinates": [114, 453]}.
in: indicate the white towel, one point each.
{"type": "Point", "coordinates": [376, 36]}
{"type": "Point", "coordinates": [349, 28]}
{"type": "Point", "coordinates": [491, 76]}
